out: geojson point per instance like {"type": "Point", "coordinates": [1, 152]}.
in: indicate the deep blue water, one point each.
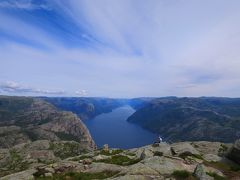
{"type": "Point", "coordinates": [113, 129]}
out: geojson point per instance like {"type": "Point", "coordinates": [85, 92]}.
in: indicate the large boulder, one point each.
{"type": "Point", "coordinates": [211, 157]}
{"type": "Point", "coordinates": [234, 153]}
{"type": "Point", "coordinates": [138, 177]}
{"type": "Point", "coordinates": [28, 174]}
{"type": "Point", "coordinates": [165, 166]}
{"type": "Point", "coordinates": [140, 169]}
{"type": "Point", "coordinates": [183, 148]}
{"type": "Point", "coordinates": [200, 173]}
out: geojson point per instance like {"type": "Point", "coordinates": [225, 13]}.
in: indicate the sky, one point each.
{"type": "Point", "coordinates": [120, 48]}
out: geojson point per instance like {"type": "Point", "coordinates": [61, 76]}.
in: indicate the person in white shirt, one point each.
{"type": "Point", "coordinates": [160, 139]}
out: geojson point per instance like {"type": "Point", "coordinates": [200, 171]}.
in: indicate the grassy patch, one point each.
{"type": "Point", "coordinates": [80, 176]}
{"type": "Point", "coordinates": [181, 174]}
{"type": "Point", "coordinates": [120, 160]}
{"type": "Point", "coordinates": [235, 168]}
{"type": "Point", "coordinates": [230, 171]}
{"type": "Point", "coordinates": [157, 153]}
{"type": "Point", "coordinates": [81, 158]}
{"type": "Point", "coordinates": [216, 176]}
{"type": "Point", "coordinates": [112, 152]}
{"type": "Point", "coordinates": [185, 155]}
{"type": "Point", "coordinates": [65, 150]}
{"type": "Point", "coordinates": [130, 154]}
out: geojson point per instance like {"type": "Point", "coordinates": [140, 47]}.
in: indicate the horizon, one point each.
{"type": "Point", "coordinates": [120, 49]}
{"type": "Point", "coordinates": [127, 98]}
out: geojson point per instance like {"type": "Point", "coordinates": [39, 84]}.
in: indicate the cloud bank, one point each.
{"type": "Point", "coordinates": [15, 88]}
{"type": "Point", "coordinates": [125, 48]}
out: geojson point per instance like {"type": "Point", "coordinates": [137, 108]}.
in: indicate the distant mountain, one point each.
{"type": "Point", "coordinates": [26, 119]}
{"type": "Point", "coordinates": [86, 108]}
{"type": "Point", "coordinates": [181, 119]}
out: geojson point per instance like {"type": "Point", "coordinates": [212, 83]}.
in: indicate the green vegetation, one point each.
{"type": "Point", "coordinates": [216, 176]}
{"type": "Point", "coordinates": [181, 174]}
{"type": "Point", "coordinates": [185, 155]}
{"type": "Point", "coordinates": [228, 169]}
{"type": "Point", "coordinates": [130, 154]}
{"type": "Point", "coordinates": [66, 137]}
{"type": "Point", "coordinates": [120, 160]}
{"type": "Point", "coordinates": [222, 149]}
{"type": "Point", "coordinates": [81, 157]}
{"type": "Point", "coordinates": [16, 160]}
{"type": "Point", "coordinates": [235, 167]}
{"type": "Point", "coordinates": [157, 153]}
{"type": "Point", "coordinates": [112, 152]}
{"type": "Point", "coordinates": [79, 176]}
{"type": "Point", "coordinates": [65, 150]}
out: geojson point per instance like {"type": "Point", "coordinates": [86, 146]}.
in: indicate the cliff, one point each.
{"type": "Point", "coordinates": [191, 119]}
{"type": "Point", "coordinates": [26, 119]}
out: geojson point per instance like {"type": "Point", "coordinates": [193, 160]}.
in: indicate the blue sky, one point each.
{"type": "Point", "coordinates": [121, 48]}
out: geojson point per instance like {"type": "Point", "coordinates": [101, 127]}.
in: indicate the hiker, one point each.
{"type": "Point", "coordinates": [160, 139]}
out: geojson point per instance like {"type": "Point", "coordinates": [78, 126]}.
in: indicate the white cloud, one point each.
{"type": "Point", "coordinates": [22, 4]}
{"type": "Point", "coordinates": [13, 87]}
{"type": "Point", "coordinates": [81, 92]}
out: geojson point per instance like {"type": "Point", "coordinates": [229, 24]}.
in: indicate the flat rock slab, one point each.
{"type": "Point", "coordinates": [163, 165]}
{"type": "Point", "coordinates": [138, 177]}
{"type": "Point", "coordinates": [184, 148]}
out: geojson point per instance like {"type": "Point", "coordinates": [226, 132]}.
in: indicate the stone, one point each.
{"type": "Point", "coordinates": [165, 166]}
{"type": "Point", "coordinates": [23, 175]}
{"type": "Point", "coordinates": [146, 153]}
{"type": "Point", "coordinates": [50, 170]}
{"type": "Point", "coordinates": [100, 157]}
{"type": "Point", "coordinates": [48, 174]}
{"type": "Point", "coordinates": [105, 147]}
{"type": "Point", "coordinates": [183, 148]}
{"type": "Point", "coordinates": [200, 173]}
{"type": "Point", "coordinates": [212, 157]}
{"type": "Point", "coordinates": [164, 148]}
{"type": "Point", "coordinates": [138, 177]}
{"type": "Point", "coordinates": [140, 169]}
{"type": "Point", "coordinates": [87, 161]}
{"type": "Point", "coordinates": [234, 153]}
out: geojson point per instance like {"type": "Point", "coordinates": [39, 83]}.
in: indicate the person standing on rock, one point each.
{"type": "Point", "coordinates": [160, 139]}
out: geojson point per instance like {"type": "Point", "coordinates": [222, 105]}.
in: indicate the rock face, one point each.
{"type": "Point", "coordinates": [25, 119]}
{"type": "Point", "coordinates": [191, 119]}
{"type": "Point", "coordinates": [200, 173]}
{"type": "Point", "coordinates": [86, 108]}
{"type": "Point", "coordinates": [234, 153]}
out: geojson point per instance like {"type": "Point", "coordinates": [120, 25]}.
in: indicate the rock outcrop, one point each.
{"type": "Point", "coordinates": [234, 153]}
{"type": "Point", "coordinates": [159, 162]}
{"type": "Point", "coordinates": [26, 119]}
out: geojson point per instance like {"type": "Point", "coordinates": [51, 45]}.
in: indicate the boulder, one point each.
{"type": "Point", "coordinates": [212, 157]}
{"type": "Point", "coordinates": [163, 148]}
{"type": "Point", "coordinates": [200, 173]}
{"type": "Point", "coordinates": [105, 147]}
{"type": "Point", "coordinates": [100, 167]}
{"type": "Point", "coordinates": [163, 165]}
{"type": "Point", "coordinates": [138, 177]}
{"type": "Point", "coordinates": [146, 153]}
{"type": "Point", "coordinates": [234, 153]}
{"type": "Point", "coordinates": [140, 169]}
{"type": "Point", "coordinates": [183, 148]}
{"type": "Point", "coordinates": [23, 175]}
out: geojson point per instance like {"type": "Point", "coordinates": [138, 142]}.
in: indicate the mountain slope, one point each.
{"type": "Point", "coordinates": [179, 119]}
{"type": "Point", "coordinates": [86, 108]}
{"type": "Point", "coordinates": [25, 119]}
